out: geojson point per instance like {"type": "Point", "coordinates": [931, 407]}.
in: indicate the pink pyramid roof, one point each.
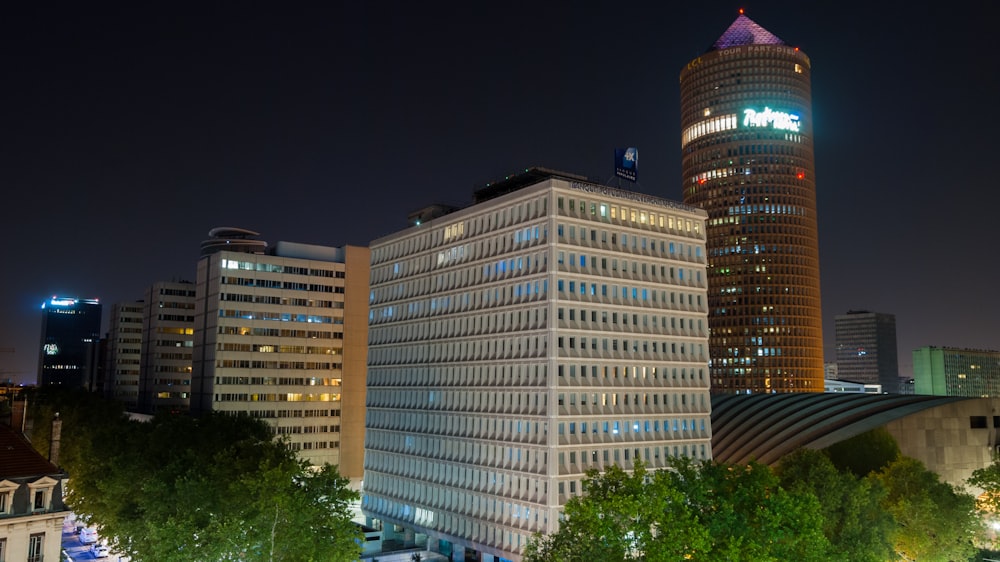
{"type": "Point", "coordinates": [745, 31]}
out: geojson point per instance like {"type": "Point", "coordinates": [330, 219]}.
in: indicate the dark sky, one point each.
{"type": "Point", "coordinates": [127, 135]}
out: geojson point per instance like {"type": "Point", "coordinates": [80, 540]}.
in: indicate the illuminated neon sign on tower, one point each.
{"type": "Point", "coordinates": [776, 119]}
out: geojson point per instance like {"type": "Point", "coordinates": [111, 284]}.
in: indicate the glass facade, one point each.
{"type": "Point", "coordinates": [747, 159]}
{"type": "Point", "coordinates": [71, 333]}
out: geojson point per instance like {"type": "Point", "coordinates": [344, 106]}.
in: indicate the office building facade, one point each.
{"type": "Point", "coordinates": [747, 159]}
{"type": "Point", "coordinates": [271, 338]}
{"type": "Point", "coordinates": [952, 371]}
{"type": "Point", "coordinates": [866, 348]}
{"type": "Point", "coordinates": [69, 348]}
{"type": "Point", "coordinates": [552, 327]}
{"type": "Point", "coordinates": [167, 348]}
{"type": "Point", "coordinates": [124, 353]}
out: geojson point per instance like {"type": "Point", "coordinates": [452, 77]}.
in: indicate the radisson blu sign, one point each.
{"type": "Point", "coordinates": [770, 118]}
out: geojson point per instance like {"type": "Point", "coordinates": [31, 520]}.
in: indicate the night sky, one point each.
{"type": "Point", "coordinates": [127, 135]}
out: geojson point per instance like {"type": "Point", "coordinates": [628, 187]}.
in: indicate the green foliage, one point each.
{"type": "Point", "coordinates": [81, 412]}
{"type": "Point", "coordinates": [988, 480]}
{"type": "Point", "coordinates": [937, 522]}
{"type": "Point", "coordinates": [215, 488]}
{"type": "Point", "coordinates": [621, 516]}
{"type": "Point", "coordinates": [853, 519]}
{"type": "Point", "coordinates": [865, 453]}
{"type": "Point", "coordinates": [698, 511]}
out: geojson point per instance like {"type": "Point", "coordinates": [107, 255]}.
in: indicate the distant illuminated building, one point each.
{"type": "Point", "coordinates": [747, 159]}
{"type": "Point", "coordinates": [124, 353]}
{"type": "Point", "coordinates": [830, 371]}
{"type": "Point", "coordinates": [71, 332]}
{"type": "Point", "coordinates": [950, 371]}
{"type": "Point", "coordinates": [281, 332]}
{"type": "Point", "coordinates": [851, 387]}
{"type": "Point", "coordinates": [167, 344]}
{"type": "Point", "coordinates": [866, 348]}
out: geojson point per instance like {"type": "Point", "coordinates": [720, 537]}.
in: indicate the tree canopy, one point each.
{"type": "Point", "coordinates": [936, 522]}
{"type": "Point", "coordinates": [865, 453]}
{"type": "Point", "coordinates": [212, 488]}
{"type": "Point", "coordinates": [692, 510]}
{"type": "Point", "coordinates": [854, 522]}
{"type": "Point", "coordinates": [805, 509]}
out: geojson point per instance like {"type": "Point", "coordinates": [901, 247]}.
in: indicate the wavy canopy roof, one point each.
{"type": "Point", "coordinates": [745, 31]}
{"type": "Point", "coordinates": [766, 427]}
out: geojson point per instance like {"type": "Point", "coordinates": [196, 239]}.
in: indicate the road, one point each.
{"type": "Point", "coordinates": [74, 550]}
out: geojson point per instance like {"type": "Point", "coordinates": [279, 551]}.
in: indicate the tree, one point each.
{"type": "Point", "coordinates": [623, 516]}
{"type": "Point", "coordinates": [214, 488]}
{"type": "Point", "coordinates": [854, 522]}
{"type": "Point", "coordinates": [865, 453]}
{"type": "Point", "coordinates": [691, 510]}
{"type": "Point", "coordinates": [937, 522]}
{"type": "Point", "coordinates": [750, 517]}
{"type": "Point", "coordinates": [988, 480]}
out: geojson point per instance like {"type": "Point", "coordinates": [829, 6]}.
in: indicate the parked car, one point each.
{"type": "Point", "coordinates": [99, 550]}
{"type": "Point", "coordinates": [88, 536]}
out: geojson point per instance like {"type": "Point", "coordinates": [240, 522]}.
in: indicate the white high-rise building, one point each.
{"type": "Point", "coordinates": [551, 327]}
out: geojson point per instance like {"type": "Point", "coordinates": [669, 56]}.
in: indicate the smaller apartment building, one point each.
{"type": "Point", "coordinates": [281, 334]}
{"type": "Point", "coordinates": [168, 342]}
{"type": "Point", "coordinates": [31, 506]}
{"type": "Point", "coordinates": [124, 353]}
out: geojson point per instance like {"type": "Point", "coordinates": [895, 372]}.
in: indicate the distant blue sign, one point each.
{"type": "Point", "coordinates": [627, 163]}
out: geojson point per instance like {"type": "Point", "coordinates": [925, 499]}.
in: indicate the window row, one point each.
{"type": "Point", "coordinates": [280, 301]}
{"type": "Point", "coordinates": [276, 348]}
{"type": "Point", "coordinates": [279, 332]}
{"type": "Point", "coordinates": [247, 364]}
{"type": "Point", "coordinates": [299, 381]}
{"type": "Point", "coordinates": [279, 268]}
{"type": "Point", "coordinates": [272, 414]}
{"type": "Point", "coordinates": [279, 316]}
{"type": "Point", "coordinates": [283, 397]}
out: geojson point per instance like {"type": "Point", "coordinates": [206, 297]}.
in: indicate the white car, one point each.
{"type": "Point", "coordinates": [88, 536]}
{"type": "Point", "coordinates": [99, 550]}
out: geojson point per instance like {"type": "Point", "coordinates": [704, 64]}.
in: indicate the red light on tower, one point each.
{"type": "Point", "coordinates": [800, 175]}
{"type": "Point", "coordinates": [741, 11]}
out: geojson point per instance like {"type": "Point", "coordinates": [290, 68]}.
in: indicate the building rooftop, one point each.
{"type": "Point", "coordinates": [18, 459]}
{"type": "Point", "coordinates": [745, 31]}
{"type": "Point", "coordinates": [766, 427]}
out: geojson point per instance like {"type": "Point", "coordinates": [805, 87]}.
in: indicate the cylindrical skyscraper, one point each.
{"type": "Point", "coordinates": [747, 159]}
